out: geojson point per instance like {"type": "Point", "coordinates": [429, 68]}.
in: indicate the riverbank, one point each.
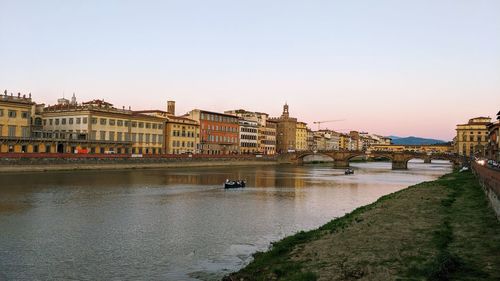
{"type": "Point", "coordinates": [439, 230]}
{"type": "Point", "coordinates": [117, 163]}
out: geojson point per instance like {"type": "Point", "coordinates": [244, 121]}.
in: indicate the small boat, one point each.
{"type": "Point", "coordinates": [234, 184]}
{"type": "Point", "coordinates": [349, 171]}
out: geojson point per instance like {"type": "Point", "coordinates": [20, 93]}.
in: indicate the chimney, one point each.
{"type": "Point", "coordinates": [171, 107]}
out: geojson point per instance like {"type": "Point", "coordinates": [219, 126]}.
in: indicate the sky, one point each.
{"type": "Point", "coordinates": [387, 67]}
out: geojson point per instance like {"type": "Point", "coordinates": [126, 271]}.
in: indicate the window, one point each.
{"type": "Point", "coordinates": [119, 136]}
{"type": "Point", "coordinates": [12, 114]}
{"type": "Point", "coordinates": [153, 138]}
{"type": "Point", "coordinates": [160, 126]}
{"type": "Point", "coordinates": [134, 137]}
{"type": "Point", "coordinates": [85, 120]}
{"type": "Point", "coordinates": [25, 114]}
{"type": "Point", "coordinates": [57, 121]}
{"type": "Point", "coordinates": [25, 132]}
{"type": "Point", "coordinates": [93, 135]}
{"type": "Point", "coordinates": [134, 124]}
{"type": "Point", "coordinates": [111, 136]}
{"type": "Point", "coordinates": [102, 135]}
{"type": "Point", "coordinates": [78, 120]}
{"type": "Point", "coordinates": [112, 122]}
{"type": "Point", "coordinates": [63, 121]}
{"type": "Point", "coordinates": [127, 123]}
{"type": "Point", "coordinates": [12, 131]}
{"type": "Point", "coordinates": [70, 121]}
{"type": "Point", "coordinates": [141, 138]}
{"type": "Point", "coordinates": [1, 112]}
{"type": "Point", "coordinates": [103, 121]}
{"type": "Point", "coordinates": [119, 123]}
{"type": "Point", "coordinates": [148, 136]}
{"type": "Point", "coordinates": [50, 122]}
{"type": "Point", "coordinates": [155, 126]}
{"type": "Point", "coordinates": [141, 125]}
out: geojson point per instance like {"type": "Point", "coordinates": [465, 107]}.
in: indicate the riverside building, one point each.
{"type": "Point", "coordinates": [219, 132]}
{"type": "Point", "coordinates": [181, 134]}
{"type": "Point", "coordinates": [248, 137]}
{"type": "Point", "coordinates": [493, 146]}
{"type": "Point", "coordinates": [472, 137]}
{"type": "Point", "coordinates": [98, 127]}
{"type": "Point", "coordinates": [286, 134]}
{"type": "Point", "coordinates": [301, 136]}
{"type": "Point", "coordinates": [15, 123]}
{"type": "Point", "coordinates": [266, 135]}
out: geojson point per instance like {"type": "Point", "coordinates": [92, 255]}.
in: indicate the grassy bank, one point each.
{"type": "Point", "coordinates": [439, 230]}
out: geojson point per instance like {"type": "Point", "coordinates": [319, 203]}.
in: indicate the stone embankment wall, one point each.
{"type": "Point", "coordinates": [37, 162]}
{"type": "Point", "coordinates": [490, 180]}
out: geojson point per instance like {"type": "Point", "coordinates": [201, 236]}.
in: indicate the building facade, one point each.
{"type": "Point", "coordinates": [472, 137]}
{"type": "Point", "coordinates": [266, 133]}
{"type": "Point", "coordinates": [248, 137]}
{"type": "Point", "coordinates": [267, 138]}
{"type": "Point", "coordinates": [301, 136]}
{"type": "Point", "coordinates": [219, 132]}
{"type": "Point", "coordinates": [286, 127]}
{"type": "Point", "coordinates": [98, 127]}
{"type": "Point", "coordinates": [493, 146]}
{"type": "Point", "coordinates": [181, 134]}
{"type": "Point", "coordinates": [15, 123]}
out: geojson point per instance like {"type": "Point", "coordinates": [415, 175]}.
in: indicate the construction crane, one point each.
{"type": "Point", "coordinates": [327, 121]}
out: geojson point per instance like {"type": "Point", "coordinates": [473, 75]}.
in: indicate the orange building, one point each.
{"type": "Point", "coordinates": [219, 132]}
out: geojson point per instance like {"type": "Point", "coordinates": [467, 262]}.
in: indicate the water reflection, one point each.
{"type": "Point", "coordinates": [173, 224]}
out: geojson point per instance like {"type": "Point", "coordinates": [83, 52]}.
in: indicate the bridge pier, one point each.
{"type": "Point", "coordinates": [399, 165]}
{"type": "Point", "coordinates": [341, 164]}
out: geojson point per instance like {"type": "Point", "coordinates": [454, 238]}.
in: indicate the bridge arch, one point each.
{"type": "Point", "coordinates": [341, 157]}
{"type": "Point", "coordinates": [301, 155]}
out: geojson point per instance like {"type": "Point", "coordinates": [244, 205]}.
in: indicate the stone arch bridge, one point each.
{"type": "Point", "coordinates": [341, 157]}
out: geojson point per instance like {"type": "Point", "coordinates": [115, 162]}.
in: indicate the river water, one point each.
{"type": "Point", "coordinates": [173, 224]}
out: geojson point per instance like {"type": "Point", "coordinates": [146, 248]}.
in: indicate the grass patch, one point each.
{"type": "Point", "coordinates": [439, 230]}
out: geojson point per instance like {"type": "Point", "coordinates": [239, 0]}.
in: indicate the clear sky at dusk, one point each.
{"type": "Point", "coordinates": [388, 67]}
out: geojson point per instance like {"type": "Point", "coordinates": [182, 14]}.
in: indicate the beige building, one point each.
{"type": "Point", "coordinates": [301, 136]}
{"type": "Point", "coordinates": [98, 127]}
{"type": "Point", "coordinates": [472, 137]}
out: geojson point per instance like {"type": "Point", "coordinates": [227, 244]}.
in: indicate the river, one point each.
{"type": "Point", "coordinates": [173, 224]}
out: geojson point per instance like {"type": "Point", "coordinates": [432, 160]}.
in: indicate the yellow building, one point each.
{"type": "Point", "coordinates": [344, 142]}
{"type": "Point", "coordinates": [472, 137]}
{"type": "Point", "coordinates": [301, 136]}
{"type": "Point", "coordinates": [182, 135]}
{"type": "Point", "coordinates": [267, 138]}
{"type": "Point", "coordinates": [15, 122]}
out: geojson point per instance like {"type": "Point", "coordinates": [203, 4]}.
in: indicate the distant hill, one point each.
{"type": "Point", "coordinates": [414, 140]}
